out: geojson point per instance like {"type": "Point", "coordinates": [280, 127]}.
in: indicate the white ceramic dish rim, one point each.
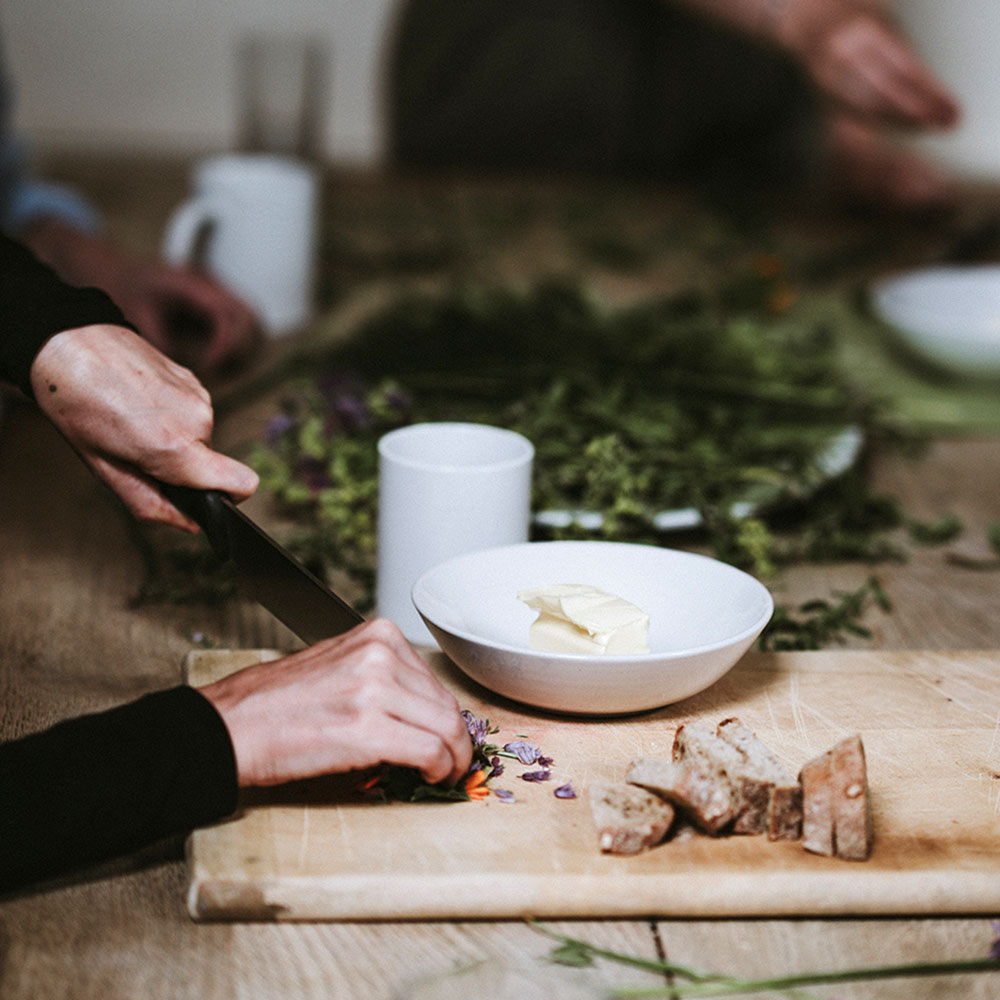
{"type": "Point", "coordinates": [518, 449]}
{"type": "Point", "coordinates": [901, 300]}
{"type": "Point", "coordinates": [650, 657]}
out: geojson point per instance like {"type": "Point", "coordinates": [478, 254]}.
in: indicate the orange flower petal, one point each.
{"type": "Point", "coordinates": [475, 779]}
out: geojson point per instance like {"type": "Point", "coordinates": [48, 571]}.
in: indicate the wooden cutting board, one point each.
{"type": "Point", "coordinates": [931, 727]}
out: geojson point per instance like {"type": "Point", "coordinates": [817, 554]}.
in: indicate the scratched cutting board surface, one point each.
{"type": "Point", "coordinates": [931, 727]}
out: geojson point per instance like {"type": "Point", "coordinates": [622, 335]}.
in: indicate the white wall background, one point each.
{"type": "Point", "coordinates": [152, 75]}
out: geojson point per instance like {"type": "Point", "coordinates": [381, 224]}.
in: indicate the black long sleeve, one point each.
{"type": "Point", "coordinates": [35, 304]}
{"type": "Point", "coordinates": [98, 786]}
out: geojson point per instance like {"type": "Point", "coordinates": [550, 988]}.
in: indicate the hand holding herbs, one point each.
{"type": "Point", "coordinates": [348, 703]}
{"type": "Point", "coordinates": [407, 785]}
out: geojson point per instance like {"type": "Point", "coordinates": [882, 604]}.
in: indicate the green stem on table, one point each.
{"type": "Point", "coordinates": [729, 986]}
{"type": "Point", "coordinates": [649, 964]}
{"type": "Point", "coordinates": [709, 984]}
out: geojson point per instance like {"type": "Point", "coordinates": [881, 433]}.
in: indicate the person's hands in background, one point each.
{"type": "Point", "coordinates": [873, 82]}
{"type": "Point", "coordinates": [863, 64]}
{"type": "Point", "coordinates": [134, 416]}
{"type": "Point", "coordinates": [346, 704]}
{"type": "Point", "coordinates": [179, 310]}
{"type": "Point", "coordinates": [870, 82]}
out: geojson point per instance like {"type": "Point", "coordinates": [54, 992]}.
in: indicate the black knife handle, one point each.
{"type": "Point", "coordinates": [204, 507]}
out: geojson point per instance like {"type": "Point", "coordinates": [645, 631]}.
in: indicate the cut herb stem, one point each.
{"type": "Point", "coordinates": [729, 986]}
{"type": "Point", "coordinates": [574, 951]}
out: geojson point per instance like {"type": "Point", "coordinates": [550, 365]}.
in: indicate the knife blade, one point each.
{"type": "Point", "coordinates": [267, 572]}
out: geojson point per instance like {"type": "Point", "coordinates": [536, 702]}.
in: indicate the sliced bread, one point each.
{"type": "Point", "coordinates": [703, 796]}
{"type": "Point", "coordinates": [725, 779]}
{"type": "Point", "coordinates": [817, 806]}
{"type": "Point", "coordinates": [836, 805]}
{"type": "Point", "coordinates": [628, 819]}
{"type": "Point", "coordinates": [852, 811]}
{"type": "Point", "coordinates": [767, 797]}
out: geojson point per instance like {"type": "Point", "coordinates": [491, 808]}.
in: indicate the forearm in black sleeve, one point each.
{"type": "Point", "coordinates": [35, 304]}
{"type": "Point", "coordinates": [99, 786]}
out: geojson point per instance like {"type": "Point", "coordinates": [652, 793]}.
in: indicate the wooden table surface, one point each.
{"type": "Point", "coordinates": [71, 641]}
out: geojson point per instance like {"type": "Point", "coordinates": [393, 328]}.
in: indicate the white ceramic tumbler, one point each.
{"type": "Point", "coordinates": [445, 489]}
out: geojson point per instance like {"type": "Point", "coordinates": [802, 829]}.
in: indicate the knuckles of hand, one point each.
{"type": "Point", "coordinates": [350, 702]}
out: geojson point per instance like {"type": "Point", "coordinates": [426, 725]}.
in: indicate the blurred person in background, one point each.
{"type": "Point", "coordinates": [181, 311]}
{"type": "Point", "coordinates": [732, 94]}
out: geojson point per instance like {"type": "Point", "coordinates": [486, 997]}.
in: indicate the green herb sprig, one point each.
{"type": "Point", "coordinates": [937, 532]}
{"type": "Point", "coordinates": [699, 983]}
{"type": "Point", "coordinates": [819, 623]}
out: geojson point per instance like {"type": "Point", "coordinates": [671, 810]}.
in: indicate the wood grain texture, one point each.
{"type": "Point", "coordinates": [930, 726]}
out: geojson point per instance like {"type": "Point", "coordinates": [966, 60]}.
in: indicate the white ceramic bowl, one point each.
{"type": "Point", "coordinates": [703, 617]}
{"type": "Point", "coordinates": [948, 315]}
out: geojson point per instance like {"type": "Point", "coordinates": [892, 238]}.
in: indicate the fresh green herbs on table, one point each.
{"type": "Point", "coordinates": [686, 403]}
{"type": "Point", "coordinates": [820, 622]}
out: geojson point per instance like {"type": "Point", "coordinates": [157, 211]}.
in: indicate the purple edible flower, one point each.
{"type": "Point", "coordinates": [536, 775]}
{"type": "Point", "coordinates": [566, 791]}
{"type": "Point", "coordinates": [544, 761]}
{"type": "Point", "coordinates": [995, 947]}
{"type": "Point", "coordinates": [503, 794]}
{"type": "Point", "coordinates": [497, 767]}
{"type": "Point", "coordinates": [277, 427]}
{"type": "Point", "coordinates": [478, 728]}
{"type": "Point", "coordinates": [333, 384]}
{"type": "Point", "coordinates": [352, 413]}
{"type": "Point", "coordinates": [525, 752]}
{"type": "Point", "coordinates": [398, 400]}
{"type": "Point", "coordinates": [313, 473]}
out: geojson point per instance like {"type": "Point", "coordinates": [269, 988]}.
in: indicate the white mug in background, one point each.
{"type": "Point", "coordinates": [251, 223]}
{"type": "Point", "coordinates": [444, 489]}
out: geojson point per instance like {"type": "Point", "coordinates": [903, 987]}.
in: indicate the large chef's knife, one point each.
{"type": "Point", "coordinates": [267, 572]}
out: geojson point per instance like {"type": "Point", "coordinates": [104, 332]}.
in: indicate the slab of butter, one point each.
{"type": "Point", "coordinates": [578, 618]}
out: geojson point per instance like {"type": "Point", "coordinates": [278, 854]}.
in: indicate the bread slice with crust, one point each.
{"type": "Point", "coordinates": [852, 810]}
{"type": "Point", "coordinates": [784, 812]}
{"type": "Point", "coordinates": [836, 804]}
{"type": "Point", "coordinates": [700, 793]}
{"type": "Point", "coordinates": [725, 779]}
{"type": "Point", "coordinates": [700, 749]}
{"type": "Point", "coordinates": [817, 805]}
{"type": "Point", "coordinates": [768, 798]}
{"type": "Point", "coordinates": [628, 819]}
